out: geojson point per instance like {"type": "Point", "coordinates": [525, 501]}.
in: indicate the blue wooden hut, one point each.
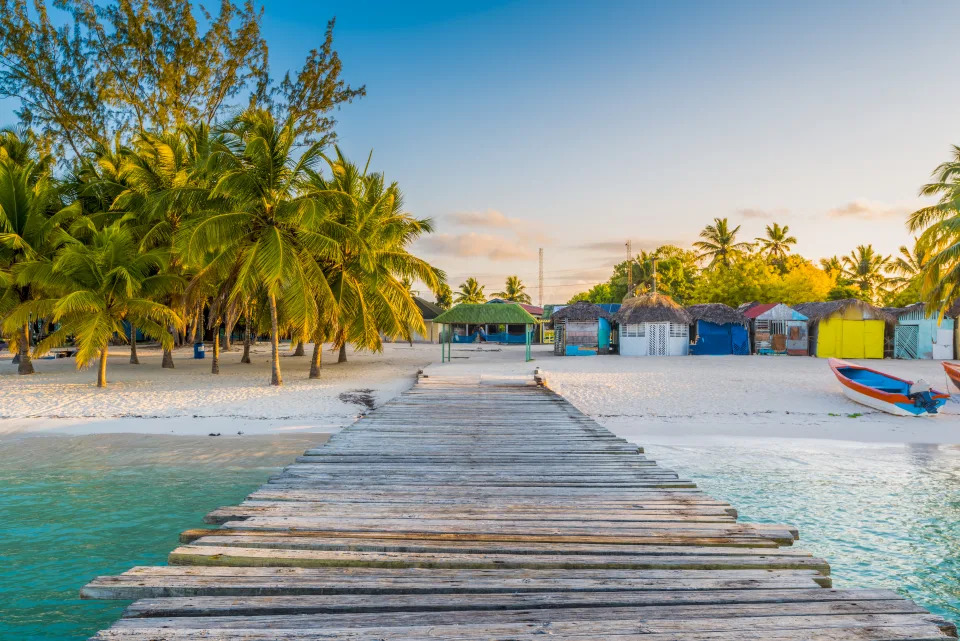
{"type": "Point", "coordinates": [919, 335]}
{"type": "Point", "coordinates": [718, 329]}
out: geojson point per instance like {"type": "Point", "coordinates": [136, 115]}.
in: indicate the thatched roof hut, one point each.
{"type": "Point", "coordinates": [818, 311]}
{"type": "Point", "coordinates": [481, 313]}
{"type": "Point", "coordinates": [581, 311]}
{"type": "Point", "coordinates": [652, 308]}
{"type": "Point", "coordinates": [717, 313]}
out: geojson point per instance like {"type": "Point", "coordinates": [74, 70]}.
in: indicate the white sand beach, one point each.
{"type": "Point", "coordinates": [638, 398]}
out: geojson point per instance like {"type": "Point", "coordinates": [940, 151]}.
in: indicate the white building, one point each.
{"type": "Point", "coordinates": [653, 325]}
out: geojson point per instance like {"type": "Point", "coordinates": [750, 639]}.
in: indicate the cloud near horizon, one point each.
{"type": "Point", "coordinates": [868, 209]}
{"type": "Point", "coordinates": [620, 246]}
{"type": "Point", "coordinates": [488, 218]}
{"type": "Point", "coordinates": [473, 244]}
{"type": "Point", "coordinates": [763, 214]}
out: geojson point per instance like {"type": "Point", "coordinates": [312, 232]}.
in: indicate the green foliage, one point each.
{"type": "Point", "coordinates": [867, 270]}
{"type": "Point", "coordinates": [444, 296]}
{"type": "Point", "coordinates": [122, 67]}
{"type": "Point", "coordinates": [470, 292]}
{"type": "Point", "coordinates": [599, 293]}
{"type": "Point", "coordinates": [749, 278]}
{"type": "Point", "coordinates": [514, 291]}
{"type": "Point", "coordinates": [720, 244]}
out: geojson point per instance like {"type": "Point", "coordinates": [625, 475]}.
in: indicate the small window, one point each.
{"type": "Point", "coordinates": [679, 330]}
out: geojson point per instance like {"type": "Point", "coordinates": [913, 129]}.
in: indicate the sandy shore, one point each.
{"type": "Point", "coordinates": [638, 398]}
{"type": "Point", "coordinates": [189, 400]}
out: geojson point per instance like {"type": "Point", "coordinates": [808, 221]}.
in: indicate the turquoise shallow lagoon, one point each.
{"type": "Point", "coordinates": [73, 508]}
{"type": "Point", "coordinates": [883, 515]}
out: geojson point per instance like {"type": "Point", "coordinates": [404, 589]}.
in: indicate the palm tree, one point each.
{"type": "Point", "coordinates": [471, 292]}
{"type": "Point", "coordinates": [32, 228]}
{"type": "Point", "coordinates": [514, 291]}
{"type": "Point", "coordinates": [833, 265]}
{"type": "Point", "coordinates": [776, 243]}
{"type": "Point", "coordinates": [261, 228]}
{"type": "Point", "coordinates": [909, 265]}
{"type": "Point", "coordinates": [866, 269]}
{"type": "Point", "coordinates": [444, 296]}
{"type": "Point", "coordinates": [940, 237]}
{"type": "Point", "coordinates": [95, 287]}
{"type": "Point", "coordinates": [719, 243]}
{"type": "Point", "coordinates": [373, 271]}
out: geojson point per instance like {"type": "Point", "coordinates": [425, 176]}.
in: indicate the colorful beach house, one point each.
{"type": "Point", "coordinates": [849, 328]}
{"type": "Point", "coordinates": [653, 325]}
{"type": "Point", "coordinates": [776, 328]}
{"type": "Point", "coordinates": [718, 329]}
{"type": "Point", "coordinates": [581, 329]}
{"type": "Point", "coordinates": [919, 335]}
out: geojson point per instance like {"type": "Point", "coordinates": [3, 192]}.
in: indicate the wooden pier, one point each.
{"type": "Point", "coordinates": [468, 511]}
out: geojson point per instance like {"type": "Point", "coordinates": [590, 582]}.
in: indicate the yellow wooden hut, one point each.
{"type": "Point", "coordinates": [848, 328]}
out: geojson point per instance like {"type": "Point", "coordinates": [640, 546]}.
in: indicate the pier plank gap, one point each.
{"type": "Point", "coordinates": [467, 510]}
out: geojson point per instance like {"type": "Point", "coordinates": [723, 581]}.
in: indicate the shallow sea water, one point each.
{"type": "Point", "coordinates": [883, 515]}
{"type": "Point", "coordinates": [70, 509]}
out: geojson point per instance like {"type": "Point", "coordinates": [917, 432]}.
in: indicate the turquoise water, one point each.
{"type": "Point", "coordinates": [64, 521]}
{"type": "Point", "coordinates": [883, 515]}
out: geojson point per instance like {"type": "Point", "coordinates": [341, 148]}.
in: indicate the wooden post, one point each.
{"type": "Point", "coordinates": [526, 335]}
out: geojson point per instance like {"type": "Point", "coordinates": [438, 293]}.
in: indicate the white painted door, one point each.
{"type": "Point", "coordinates": [657, 335]}
{"type": "Point", "coordinates": [943, 348]}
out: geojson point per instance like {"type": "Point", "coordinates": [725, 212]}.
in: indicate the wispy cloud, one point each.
{"type": "Point", "coordinates": [620, 246]}
{"type": "Point", "coordinates": [473, 244]}
{"type": "Point", "coordinates": [488, 218]}
{"type": "Point", "coordinates": [763, 214]}
{"type": "Point", "coordinates": [868, 209]}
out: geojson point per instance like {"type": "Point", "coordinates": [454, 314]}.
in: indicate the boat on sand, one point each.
{"type": "Point", "coordinates": [953, 372]}
{"type": "Point", "coordinates": [885, 392]}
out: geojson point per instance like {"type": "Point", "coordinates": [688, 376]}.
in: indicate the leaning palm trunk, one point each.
{"type": "Point", "coordinates": [215, 364]}
{"type": "Point", "coordinates": [25, 364]}
{"type": "Point", "coordinates": [316, 361]}
{"type": "Point", "coordinates": [133, 346]}
{"type": "Point", "coordinates": [167, 362]}
{"type": "Point", "coordinates": [102, 370]}
{"type": "Point", "coordinates": [246, 341]}
{"type": "Point", "coordinates": [275, 379]}
{"type": "Point", "coordinates": [299, 351]}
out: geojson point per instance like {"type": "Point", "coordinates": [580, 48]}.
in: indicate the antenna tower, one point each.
{"type": "Point", "coordinates": [541, 278]}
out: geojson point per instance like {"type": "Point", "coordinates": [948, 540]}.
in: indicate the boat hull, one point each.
{"type": "Point", "coordinates": [953, 372]}
{"type": "Point", "coordinates": [898, 404]}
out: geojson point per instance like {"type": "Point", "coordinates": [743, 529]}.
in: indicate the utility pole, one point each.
{"type": "Point", "coordinates": [654, 274]}
{"type": "Point", "coordinates": [540, 303]}
{"type": "Point", "coordinates": [629, 267]}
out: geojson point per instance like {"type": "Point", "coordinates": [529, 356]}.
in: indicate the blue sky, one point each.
{"type": "Point", "coordinates": [574, 126]}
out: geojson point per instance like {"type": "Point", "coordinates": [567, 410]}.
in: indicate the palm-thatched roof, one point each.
{"type": "Point", "coordinates": [818, 311]}
{"type": "Point", "coordinates": [717, 313]}
{"type": "Point", "coordinates": [651, 308]}
{"type": "Point", "coordinates": [581, 311]}
{"type": "Point", "coordinates": [481, 314]}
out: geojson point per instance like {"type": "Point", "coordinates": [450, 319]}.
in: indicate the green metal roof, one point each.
{"type": "Point", "coordinates": [479, 314]}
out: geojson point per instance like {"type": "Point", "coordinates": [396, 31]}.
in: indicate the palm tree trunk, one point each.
{"type": "Point", "coordinates": [25, 364]}
{"type": "Point", "coordinates": [316, 361]}
{"type": "Point", "coordinates": [299, 351]}
{"type": "Point", "coordinates": [102, 370]}
{"type": "Point", "coordinates": [231, 321]}
{"type": "Point", "coordinates": [275, 379]}
{"type": "Point", "coordinates": [167, 362]}
{"type": "Point", "coordinates": [342, 358]}
{"type": "Point", "coordinates": [246, 340]}
{"type": "Point", "coordinates": [133, 346]}
{"type": "Point", "coordinates": [215, 363]}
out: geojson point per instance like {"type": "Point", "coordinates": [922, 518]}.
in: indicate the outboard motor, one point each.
{"type": "Point", "coordinates": [922, 397]}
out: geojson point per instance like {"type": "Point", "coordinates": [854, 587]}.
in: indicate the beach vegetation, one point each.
{"type": "Point", "coordinates": [514, 291]}
{"type": "Point", "coordinates": [470, 292]}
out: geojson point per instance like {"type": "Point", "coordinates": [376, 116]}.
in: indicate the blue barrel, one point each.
{"type": "Point", "coordinates": [199, 351]}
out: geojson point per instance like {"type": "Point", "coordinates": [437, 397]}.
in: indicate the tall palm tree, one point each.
{"type": "Point", "coordinates": [720, 244]}
{"type": "Point", "coordinates": [866, 269]}
{"type": "Point", "coordinates": [371, 275]}
{"type": "Point", "coordinates": [514, 291]}
{"type": "Point", "coordinates": [832, 265]}
{"type": "Point", "coordinates": [260, 227]}
{"type": "Point", "coordinates": [775, 244]}
{"type": "Point", "coordinates": [940, 237]}
{"type": "Point", "coordinates": [32, 228]}
{"type": "Point", "coordinates": [471, 292]}
{"type": "Point", "coordinates": [92, 288]}
{"type": "Point", "coordinates": [909, 265]}
{"type": "Point", "coordinates": [444, 296]}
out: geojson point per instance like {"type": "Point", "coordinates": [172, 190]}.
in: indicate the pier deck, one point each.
{"type": "Point", "coordinates": [467, 511]}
